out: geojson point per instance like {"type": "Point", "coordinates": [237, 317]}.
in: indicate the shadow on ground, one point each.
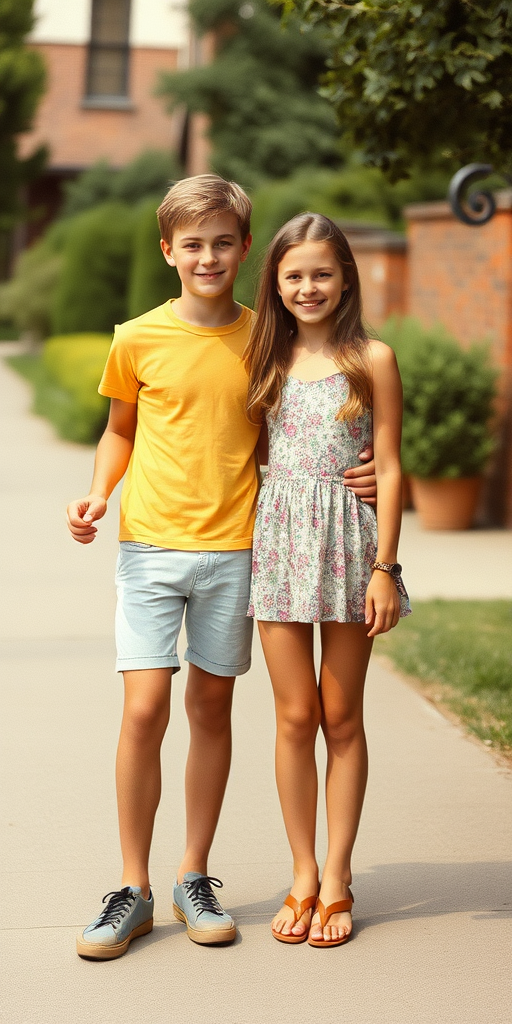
{"type": "Point", "coordinates": [398, 892]}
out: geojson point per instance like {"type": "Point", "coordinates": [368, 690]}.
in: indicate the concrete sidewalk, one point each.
{"type": "Point", "coordinates": [432, 870]}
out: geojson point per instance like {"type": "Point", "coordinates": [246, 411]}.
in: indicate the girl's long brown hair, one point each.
{"type": "Point", "coordinates": [269, 351]}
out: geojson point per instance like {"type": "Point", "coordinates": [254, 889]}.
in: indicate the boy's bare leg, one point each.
{"type": "Point", "coordinates": [138, 772]}
{"type": "Point", "coordinates": [208, 700]}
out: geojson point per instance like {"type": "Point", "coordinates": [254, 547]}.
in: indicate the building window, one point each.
{"type": "Point", "coordinates": [109, 50]}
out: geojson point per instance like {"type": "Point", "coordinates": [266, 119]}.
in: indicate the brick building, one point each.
{"type": "Point", "coordinates": [103, 58]}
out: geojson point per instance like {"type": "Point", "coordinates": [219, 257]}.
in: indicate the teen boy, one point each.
{"type": "Point", "coordinates": [178, 429]}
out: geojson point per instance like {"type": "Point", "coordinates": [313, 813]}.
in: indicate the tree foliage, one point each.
{"type": "Point", "coordinates": [22, 78]}
{"type": "Point", "coordinates": [259, 92]}
{"type": "Point", "coordinates": [417, 82]}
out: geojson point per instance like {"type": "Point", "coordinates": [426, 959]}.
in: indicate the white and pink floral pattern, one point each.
{"type": "Point", "coordinates": [314, 540]}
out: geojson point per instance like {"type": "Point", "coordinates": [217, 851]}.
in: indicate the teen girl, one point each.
{"type": "Point", "coordinates": [321, 554]}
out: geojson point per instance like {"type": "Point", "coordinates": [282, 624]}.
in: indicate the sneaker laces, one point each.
{"type": "Point", "coordinates": [119, 904]}
{"type": "Point", "coordinates": [200, 893]}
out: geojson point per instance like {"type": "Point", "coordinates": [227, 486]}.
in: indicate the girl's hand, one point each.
{"type": "Point", "coordinates": [81, 516]}
{"type": "Point", "coordinates": [382, 610]}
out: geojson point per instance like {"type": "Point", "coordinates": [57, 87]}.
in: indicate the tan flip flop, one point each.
{"type": "Point", "coordinates": [298, 909]}
{"type": "Point", "coordinates": [327, 912]}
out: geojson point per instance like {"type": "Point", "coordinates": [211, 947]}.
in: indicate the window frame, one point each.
{"type": "Point", "coordinates": [95, 46]}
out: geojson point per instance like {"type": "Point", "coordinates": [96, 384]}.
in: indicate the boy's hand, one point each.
{"type": "Point", "coordinates": [382, 609]}
{"type": "Point", "coordinates": [361, 479]}
{"type": "Point", "coordinates": [82, 514]}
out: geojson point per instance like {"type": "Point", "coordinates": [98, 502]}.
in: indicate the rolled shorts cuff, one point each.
{"type": "Point", "coordinates": [213, 668]}
{"type": "Point", "coordinates": [137, 664]}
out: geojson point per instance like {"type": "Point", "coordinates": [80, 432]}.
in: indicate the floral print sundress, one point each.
{"type": "Point", "coordinates": [314, 540]}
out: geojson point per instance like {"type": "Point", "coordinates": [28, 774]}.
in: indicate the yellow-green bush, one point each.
{"type": "Point", "coordinates": [65, 378]}
{"type": "Point", "coordinates": [74, 363]}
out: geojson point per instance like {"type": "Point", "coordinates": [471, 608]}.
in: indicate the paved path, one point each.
{"type": "Point", "coordinates": [432, 862]}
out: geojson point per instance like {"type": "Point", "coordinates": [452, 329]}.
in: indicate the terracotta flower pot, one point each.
{"type": "Point", "coordinates": [446, 504]}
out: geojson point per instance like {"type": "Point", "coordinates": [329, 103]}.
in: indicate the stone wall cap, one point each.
{"type": "Point", "coordinates": [442, 209]}
{"type": "Point", "coordinates": [372, 236]}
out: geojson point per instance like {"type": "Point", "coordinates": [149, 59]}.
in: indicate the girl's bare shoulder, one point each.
{"type": "Point", "coordinates": [381, 354]}
{"type": "Point", "coordinates": [385, 373]}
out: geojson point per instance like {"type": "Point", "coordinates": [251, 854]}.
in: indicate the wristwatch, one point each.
{"type": "Point", "coordinates": [394, 568]}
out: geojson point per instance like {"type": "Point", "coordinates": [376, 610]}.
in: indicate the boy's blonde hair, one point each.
{"type": "Point", "coordinates": [198, 199]}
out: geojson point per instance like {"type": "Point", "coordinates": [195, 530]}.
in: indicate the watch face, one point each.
{"type": "Point", "coordinates": [397, 569]}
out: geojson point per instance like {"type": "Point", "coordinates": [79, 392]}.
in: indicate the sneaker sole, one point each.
{"type": "Point", "coordinates": [92, 951]}
{"type": "Point", "coordinates": [212, 937]}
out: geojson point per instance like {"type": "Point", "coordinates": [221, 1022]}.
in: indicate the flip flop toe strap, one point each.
{"type": "Point", "coordinates": [334, 908]}
{"type": "Point", "coordinates": [300, 908]}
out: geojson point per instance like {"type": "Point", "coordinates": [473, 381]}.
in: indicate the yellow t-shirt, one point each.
{"type": "Point", "coordinates": [192, 479]}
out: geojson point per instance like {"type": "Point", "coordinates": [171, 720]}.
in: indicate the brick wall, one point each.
{"type": "Point", "coordinates": [457, 275]}
{"type": "Point", "coordinates": [78, 136]}
{"type": "Point", "coordinates": [381, 258]}
{"type": "Point", "coordinates": [461, 276]}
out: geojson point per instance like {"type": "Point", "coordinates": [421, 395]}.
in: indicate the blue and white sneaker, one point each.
{"type": "Point", "coordinates": [196, 905]}
{"type": "Point", "coordinates": [126, 916]}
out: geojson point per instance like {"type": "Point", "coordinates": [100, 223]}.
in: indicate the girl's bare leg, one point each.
{"type": "Point", "coordinates": [138, 773]}
{"type": "Point", "coordinates": [288, 649]}
{"type": "Point", "coordinates": [345, 654]}
{"type": "Point", "coordinates": [208, 700]}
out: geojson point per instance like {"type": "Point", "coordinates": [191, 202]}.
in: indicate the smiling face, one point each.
{"type": "Point", "coordinates": [207, 256]}
{"type": "Point", "coordinates": [310, 281]}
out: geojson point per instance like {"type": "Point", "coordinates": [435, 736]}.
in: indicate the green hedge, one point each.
{"type": "Point", "coordinates": [449, 395]}
{"type": "Point", "coordinates": [65, 378]}
{"type": "Point", "coordinates": [101, 264]}
{"type": "Point", "coordinates": [152, 281]}
{"type": "Point", "coordinates": [91, 292]}
{"type": "Point", "coordinates": [27, 298]}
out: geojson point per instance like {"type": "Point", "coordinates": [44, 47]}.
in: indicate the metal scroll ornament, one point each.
{"type": "Point", "coordinates": [479, 206]}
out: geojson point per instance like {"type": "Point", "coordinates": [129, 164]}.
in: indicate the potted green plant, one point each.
{"type": "Point", "coordinates": [449, 395]}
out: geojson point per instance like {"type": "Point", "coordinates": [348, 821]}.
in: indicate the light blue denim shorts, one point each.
{"type": "Point", "coordinates": [157, 587]}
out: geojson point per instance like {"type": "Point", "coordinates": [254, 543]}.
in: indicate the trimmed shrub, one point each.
{"type": "Point", "coordinates": [65, 378]}
{"type": "Point", "coordinates": [91, 291]}
{"type": "Point", "coordinates": [95, 185]}
{"type": "Point", "coordinates": [151, 171]}
{"type": "Point", "coordinates": [449, 395]}
{"type": "Point", "coordinates": [151, 280]}
{"type": "Point", "coordinates": [27, 299]}
{"type": "Point", "coordinates": [75, 364]}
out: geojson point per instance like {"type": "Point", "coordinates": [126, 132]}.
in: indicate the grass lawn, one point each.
{"type": "Point", "coordinates": [461, 654]}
